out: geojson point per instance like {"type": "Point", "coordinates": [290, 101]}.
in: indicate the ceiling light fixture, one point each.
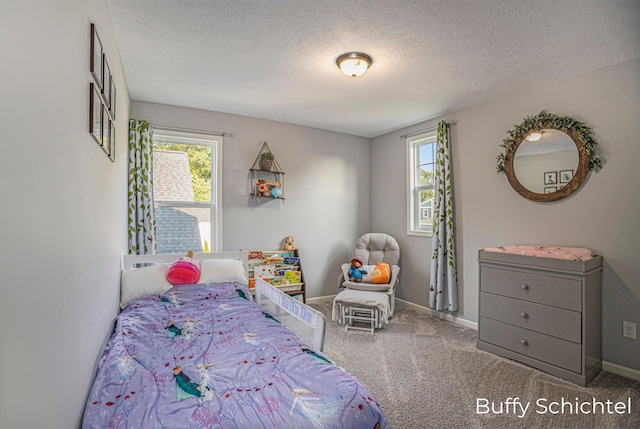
{"type": "Point", "coordinates": [534, 136]}
{"type": "Point", "coordinates": [354, 64]}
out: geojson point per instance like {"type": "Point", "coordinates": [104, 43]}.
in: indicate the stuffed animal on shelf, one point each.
{"type": "Point", "coordinates": [289, 245]}
{"type": "Point", "coordinates": [276, 192]}
{"type": "Point", "coordinates": [264, 187]}
{"type": "Point", "coordinates": [355, 272]}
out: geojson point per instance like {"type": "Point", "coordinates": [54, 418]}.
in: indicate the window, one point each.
{"type": "Point", "coordinates": [421, 156]}
{"type": "Point", "coordinates": [187, 192]}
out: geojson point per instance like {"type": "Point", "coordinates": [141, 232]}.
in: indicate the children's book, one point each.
{"type": "Point", "coordinates": [291, 260]}
{"type": "Point", "coordinates": [264, 271]}
{"type": "Point", "coordinates": [291, 277]}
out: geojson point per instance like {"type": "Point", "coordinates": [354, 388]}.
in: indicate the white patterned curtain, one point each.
{"type": "Point", "coordinates": [142, 225]}
{"type": "Point", "coordinates": [443, 288]}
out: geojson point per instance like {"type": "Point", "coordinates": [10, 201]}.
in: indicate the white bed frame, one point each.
{"type": "Point", "coordinates": [306, 322]}
{"type": "Point", "coordinates": [130, 262]}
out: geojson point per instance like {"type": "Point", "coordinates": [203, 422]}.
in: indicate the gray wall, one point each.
{"type": "Point", "coordinates": [327, 188]}
{"type": "Point", "coordinates": [63, 217]}
{"type": "Point", "coordinates": [602, 215]}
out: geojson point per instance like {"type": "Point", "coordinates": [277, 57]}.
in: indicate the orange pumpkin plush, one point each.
{"type": "Point", "coordinates": [381, 274]}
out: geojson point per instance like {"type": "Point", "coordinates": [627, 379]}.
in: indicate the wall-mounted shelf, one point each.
{"type": "Point", "coordinates": [267, 178]}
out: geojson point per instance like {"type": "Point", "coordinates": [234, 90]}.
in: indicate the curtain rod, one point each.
{"type": "Point", "coordinates": [415, 133]}
{"type": "Point", "coordinates": [193, 130]}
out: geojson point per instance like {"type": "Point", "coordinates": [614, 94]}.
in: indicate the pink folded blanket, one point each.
{"type": "Point", "coordinates": [568, 253]}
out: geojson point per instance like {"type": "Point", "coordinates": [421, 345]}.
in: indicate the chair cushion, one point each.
{"type": "Point", "coordinates": [367, 286]}
{"type": "Point", "coordinates": [367, 299]}
{"type": "Point", "coordinates": [366, 276]}
{"type": "Point", "coordinates": [377, 247]}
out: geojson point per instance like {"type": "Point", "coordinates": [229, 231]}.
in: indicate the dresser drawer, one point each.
{"type": "Point", "coordinates": [556, 291]}
{"type": "Point", "coordinates": [557, 322]}
{"type": "Point", "coordinates": [561, 353]}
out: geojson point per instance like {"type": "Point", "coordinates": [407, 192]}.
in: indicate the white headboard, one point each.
{"type": "Point", "coordinates": [130, 262]}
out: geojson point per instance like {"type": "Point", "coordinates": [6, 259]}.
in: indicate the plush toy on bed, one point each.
{"type": "Point", "coordinates": [184, 271]}
{"type": "Point", "coordinates": [355, 272]}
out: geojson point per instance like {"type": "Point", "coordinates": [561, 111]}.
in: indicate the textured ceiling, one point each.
{"type": "Point", "coordinates": [276, 59]}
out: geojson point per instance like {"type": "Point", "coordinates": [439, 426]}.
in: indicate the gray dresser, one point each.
{"type": "Point", "coordinates": [543, 312]}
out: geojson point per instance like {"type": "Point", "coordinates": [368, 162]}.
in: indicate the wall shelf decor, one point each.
{"type": "Point", "coordinates": [266, 176]}
{"type": "Point", "coordinates": [102, 97]}
{"type": "Point", "coordinates": [547, 140]}
{"type": "Point", "coordinates": [95, 65]}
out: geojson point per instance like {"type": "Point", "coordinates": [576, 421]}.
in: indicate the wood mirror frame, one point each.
{"type": "Point", "coordinates": [579, 133]}
{"type": "Point", "coordinates": [578, 177]}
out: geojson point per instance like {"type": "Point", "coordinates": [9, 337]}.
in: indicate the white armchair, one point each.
{"type": "Point", "coordinates": [371, 249]}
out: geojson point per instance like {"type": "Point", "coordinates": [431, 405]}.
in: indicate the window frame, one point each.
{"type": "Point", "coordinates": [215, 205]}
{"type": "Point", "coordinates": [414, 142]}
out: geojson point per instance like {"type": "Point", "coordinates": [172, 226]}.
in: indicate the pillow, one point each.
{"type": "Point", "coordinates": [141, 282]}
{"type": "Point", "coordinates": [381, 273]}
{"type": "Point", "coordinates": [223, 270]}
{"type": "Point", "coordinates": [366, 276]}
{"type": "Point", "coordinates": [184, 271]}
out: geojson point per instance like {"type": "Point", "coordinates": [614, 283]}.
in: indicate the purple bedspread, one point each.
{"type": "Point", "coordinates": [205, 356]}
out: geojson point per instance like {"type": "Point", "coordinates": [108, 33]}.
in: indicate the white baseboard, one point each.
{"type": "Point", "coordinates": [631, 373]}
{"type": "Point", "coordinates": [320, 298]}
{"type": "Point", "coordinates": [442, 315]}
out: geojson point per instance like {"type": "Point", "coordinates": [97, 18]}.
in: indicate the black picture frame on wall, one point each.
{"type": "Point", "coordinates": [95, 113]}
{"type": "Point", "coordinates": [551, 178]}
{"type": "Point", "coordinates": [105, 130]}
{"type": "Point", "coordinates": [112, 108]}
{"type": "Point", "coordinates": [566, 176]}
{"type": "Point", "coordinates": [106, 87]}
{"type": "Point", "coordinates": [95, 65]}
{"type": "Point", "coordinates": [112, 141]}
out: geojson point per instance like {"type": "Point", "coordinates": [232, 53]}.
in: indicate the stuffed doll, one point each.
{"type": "Point", "coordinates": [355, 272]}
{"type": "Point", "coordinates": [184, 271]}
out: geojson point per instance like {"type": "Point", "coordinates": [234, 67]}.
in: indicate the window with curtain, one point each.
{"type": "Point", "coordinates": [421, 157]}
{"type": "Point", "coordinates": [187, 191]}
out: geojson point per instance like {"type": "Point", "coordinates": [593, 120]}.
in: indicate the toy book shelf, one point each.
{"type": "Point", "coordinates": [280, 268]}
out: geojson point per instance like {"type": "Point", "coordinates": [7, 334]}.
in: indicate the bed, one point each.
{"type": "Point", "coordinates": [206, 355]}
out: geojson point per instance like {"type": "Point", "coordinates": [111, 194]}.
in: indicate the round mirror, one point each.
{"type": "Point", "coordinates": [546, 164]}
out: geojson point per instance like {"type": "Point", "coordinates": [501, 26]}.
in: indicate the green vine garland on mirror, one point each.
{"type": "Point", "coordinates": [548, 120]}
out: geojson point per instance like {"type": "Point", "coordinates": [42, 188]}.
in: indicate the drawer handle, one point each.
{"type": "Point", "coordinates": [524, 342]}
{"type": "Point", "coordinates": [524, 287]}
{"type": "Point", "coordinates": [524, 315]}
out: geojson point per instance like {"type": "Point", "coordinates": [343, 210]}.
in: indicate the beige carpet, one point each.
{"type": "Point", "coordinates": [427, 373]}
